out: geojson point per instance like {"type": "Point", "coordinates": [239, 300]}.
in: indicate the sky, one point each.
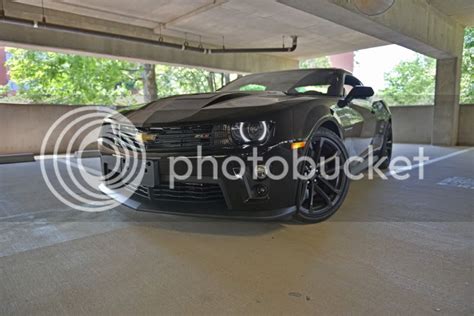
{"type": "Point", "coordinates": [371, 64]}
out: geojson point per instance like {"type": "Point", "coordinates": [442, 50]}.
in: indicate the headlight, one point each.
{"type": "Point", "coordinates": [251, 132]}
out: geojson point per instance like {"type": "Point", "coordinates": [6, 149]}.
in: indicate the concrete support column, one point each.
{"type": "Point", "coordinates": [446, 109]}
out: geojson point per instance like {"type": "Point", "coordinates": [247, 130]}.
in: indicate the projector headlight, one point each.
{"type": "Point", "coordinates": [251, 132]}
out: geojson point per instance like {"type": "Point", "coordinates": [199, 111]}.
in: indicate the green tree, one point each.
{"type": "Point", "coordinates": [411, 82]}
{"type": "Point", "coordinates": [173, 80]}
{"type": "Point", "coordinates": [321, 62]}
{"type": "Point", "coordinates": [467, 79]}
{"type": "Point", "coordinates": [49, 77]}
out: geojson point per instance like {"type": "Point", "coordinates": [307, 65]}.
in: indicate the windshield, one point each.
{"type": "Point", "coordinates": [308, 81]}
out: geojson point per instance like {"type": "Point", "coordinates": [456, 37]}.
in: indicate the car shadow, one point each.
{"type": "Point", "coordinates": [199, 225]}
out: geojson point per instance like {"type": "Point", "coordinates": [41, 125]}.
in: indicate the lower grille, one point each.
{"type": "Point", "coordinates": [188, 192]}
{"type": "Point", "coordinates": [140, 190]}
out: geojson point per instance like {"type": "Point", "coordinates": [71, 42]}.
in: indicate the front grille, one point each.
{"type": "Point", "coordinates": [189, 136]}
{"type": "Point", "coordinates": [171, 138]}
{"type": "Point", "coordinates": [181, 136]}
{"type": "Point", "coordinates": [125, 137]}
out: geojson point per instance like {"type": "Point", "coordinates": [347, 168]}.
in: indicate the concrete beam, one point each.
{"type": "Point", "coordinates": [29, 37]}
{"type": "Point", "coordinates": [413, 24]}
{"type": "Point", "coordinates": [22, 36]}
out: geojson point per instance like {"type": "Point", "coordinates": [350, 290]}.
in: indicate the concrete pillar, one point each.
{"type": "Point", "coordinates": [446, 109]}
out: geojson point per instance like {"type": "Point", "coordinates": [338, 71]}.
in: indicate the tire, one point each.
{"type": "Point", "coordinates": [319, 198]}
{"type": "Point", "coordinates": [387, 146]}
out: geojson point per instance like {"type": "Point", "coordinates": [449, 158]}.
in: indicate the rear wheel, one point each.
{"type": "Point", "coordinates": [321, 196]}
{"type": "Point", "coordinates": [386, 151]}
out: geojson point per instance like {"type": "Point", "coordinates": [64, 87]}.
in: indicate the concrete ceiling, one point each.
{"type": "Point", "coordinates": [461, 10]}
{"type": "Point", "coordinates": [243, 23]}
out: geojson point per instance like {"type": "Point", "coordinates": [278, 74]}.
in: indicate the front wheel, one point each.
{"type": "Point", "coordinates": [323, 193]}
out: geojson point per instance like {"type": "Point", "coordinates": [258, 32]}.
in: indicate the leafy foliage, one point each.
{"type": "Point", "coordinates": [173, 80]}
{"type": "Point", "coordinates": [49, 77]}
{"type": "Point", "coordinates": [253, 87]}
{"type": "Point", "coordinates": [411, 82]}
{"type": "Point", "coordinates": [467, 80]}
{"type": "Point", "coordinates": [321, 62]}
{"type": "Point", "coordinates": [61, 78]}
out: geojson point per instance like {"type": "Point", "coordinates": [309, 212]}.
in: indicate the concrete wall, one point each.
{"type": "Point", "coordinates": [414, 124]}
{"type": "Point", "coordinates": [23, 126]}
{"type": "Point", "coordinates": [466, 125]}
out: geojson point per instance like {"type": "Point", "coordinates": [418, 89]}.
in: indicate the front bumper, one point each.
{"type": "Point", "coordinates": [209, 195]}
{"type": "Point", "coordinates": [217, 210]}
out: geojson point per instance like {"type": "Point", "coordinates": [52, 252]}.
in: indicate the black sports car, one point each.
{"type": "Point", "coordinates": [317, 113]}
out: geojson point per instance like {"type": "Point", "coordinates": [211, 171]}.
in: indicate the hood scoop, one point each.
{"type": "Point", "coordinates": [227, 97]}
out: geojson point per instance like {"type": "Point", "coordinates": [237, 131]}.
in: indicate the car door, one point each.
{"type": "Point", "coordinates": [364, 130]}
{"type": "Point", "coordinates": [352, 123]}
{"type": "Point", "coordinates": [363, 119]}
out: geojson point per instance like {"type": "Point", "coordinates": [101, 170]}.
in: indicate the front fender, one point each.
{"type": "Point", "coordinates": [307, 118]}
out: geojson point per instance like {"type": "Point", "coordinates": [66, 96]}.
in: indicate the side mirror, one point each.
{"type": "Point", "coordinates": [358, 92]}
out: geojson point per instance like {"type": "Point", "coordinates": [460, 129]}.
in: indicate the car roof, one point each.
{"type": "Point", "coordinates": [308, 70]}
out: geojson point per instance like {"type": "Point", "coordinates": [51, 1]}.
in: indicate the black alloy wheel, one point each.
{"type": "Point", "coordinates": [387, 147]}
{"type": "Point", "coordinates": [321, 196]}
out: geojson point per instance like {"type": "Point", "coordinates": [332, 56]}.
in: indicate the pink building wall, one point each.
{"type": "Point", "coordinates": [344, 61]}
{"type": "Point", "coordinates": [3, 70]}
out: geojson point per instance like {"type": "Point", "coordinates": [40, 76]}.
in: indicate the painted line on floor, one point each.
{"type": "Point", "coordinates": [429, 162]}
{"type": "Point", "coordinates": [458, 182]}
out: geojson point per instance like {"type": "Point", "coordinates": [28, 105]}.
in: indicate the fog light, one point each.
{"type": "Point", "coordinates": [261, 189]}
{"type": "Point", "coordinates": [260, 172]}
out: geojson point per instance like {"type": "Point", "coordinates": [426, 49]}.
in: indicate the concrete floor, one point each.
{"type": "Point", "coordinates": [393, 248]}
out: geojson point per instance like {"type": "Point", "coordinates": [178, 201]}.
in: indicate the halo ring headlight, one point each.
{"type": "Point", "coordinates": [250, 132]}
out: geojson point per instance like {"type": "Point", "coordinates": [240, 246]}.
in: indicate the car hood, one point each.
{"type": "Point", "coordinates": [208, 107]}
